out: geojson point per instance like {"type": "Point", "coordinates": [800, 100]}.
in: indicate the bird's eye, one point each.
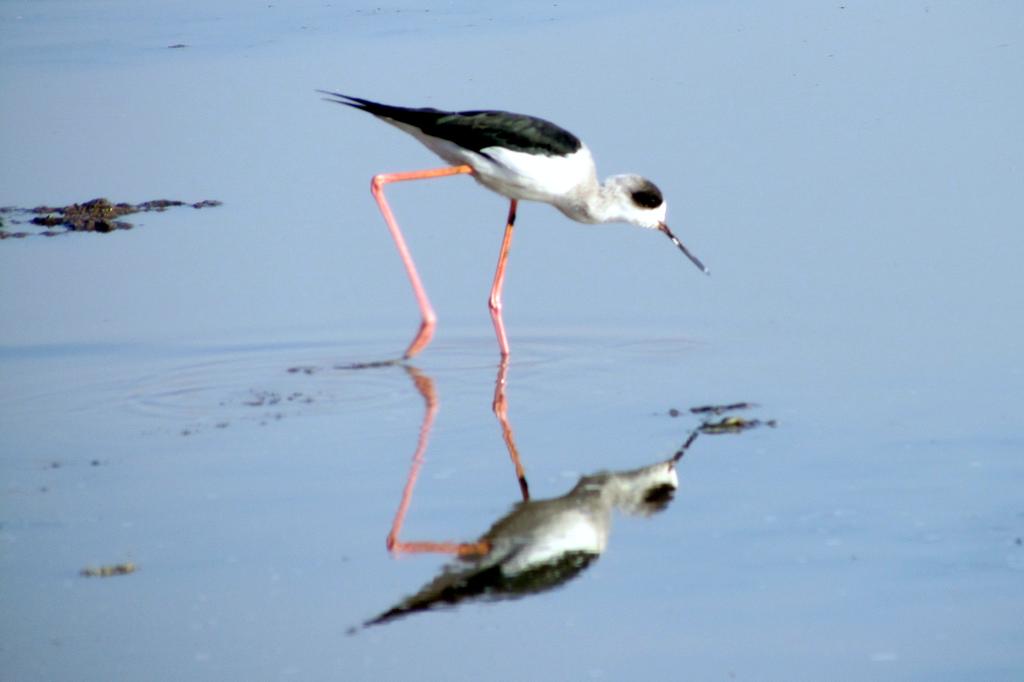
{"type": "Point", "coordinates": [649, 197]}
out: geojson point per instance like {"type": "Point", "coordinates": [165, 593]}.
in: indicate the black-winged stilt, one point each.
{"type": "Point", "coordinates": [520, 157]}
{"type": "Point", "coordinates": [542, 544]}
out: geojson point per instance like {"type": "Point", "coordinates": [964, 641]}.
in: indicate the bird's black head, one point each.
{"type": "Point", "coordinates": [647, 195]}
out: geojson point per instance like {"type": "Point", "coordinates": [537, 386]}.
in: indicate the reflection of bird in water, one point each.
{"type": "Point", "coordinates": [520, 157]}
{"type": "Point", "coordinates": [543, 543]}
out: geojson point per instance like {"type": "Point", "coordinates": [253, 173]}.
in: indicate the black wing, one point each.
{"type": "Point", "coordinates": [476, 130]}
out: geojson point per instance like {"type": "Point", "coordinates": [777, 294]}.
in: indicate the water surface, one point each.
{"type": "Point", "coordinates": [850, 174]}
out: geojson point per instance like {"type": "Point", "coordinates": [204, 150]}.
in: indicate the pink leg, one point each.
{"type": "Point", "coordinates": [499, 280]}
{"type": "Point", "coordinates": [425, 387]}
{"type": "Point", "coordinates": [426, 331]}
{"type": "Point", "coordinates": [500, 407]}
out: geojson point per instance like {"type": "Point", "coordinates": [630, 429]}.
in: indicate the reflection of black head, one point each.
{"type": "Point", "coordinates": [638, 492]}
{"type": "Point", "coordinates": [657, 499]}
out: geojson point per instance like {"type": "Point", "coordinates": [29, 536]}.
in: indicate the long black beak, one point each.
{"type": "Point", "coordinates": [696, 261]}
{"type": "Point", "coordinates": [682, 450]}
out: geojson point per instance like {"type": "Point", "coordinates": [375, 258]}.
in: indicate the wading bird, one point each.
{"type": "Point", "coordinates": [520, 157]}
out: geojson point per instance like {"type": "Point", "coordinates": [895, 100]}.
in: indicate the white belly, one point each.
{"type": "Point", "coordinates": [518, 175]}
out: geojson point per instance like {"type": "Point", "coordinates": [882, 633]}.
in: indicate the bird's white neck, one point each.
{"type": "Point", "coordinates": [609, 202]}
{"type": "Point", "coordinates": [590, 202]}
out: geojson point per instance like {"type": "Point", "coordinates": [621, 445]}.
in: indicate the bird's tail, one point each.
{"type": "Point", "coordinates": [356, 102]}
{"type": "Point", "coordinates": [413, 116]}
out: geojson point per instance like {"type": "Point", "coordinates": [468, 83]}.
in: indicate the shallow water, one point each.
{"type": "Point", "coordinates": [849, 174]}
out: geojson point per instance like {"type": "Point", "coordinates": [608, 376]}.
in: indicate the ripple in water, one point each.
{"type": "Point", "coordinates": [218, 386]}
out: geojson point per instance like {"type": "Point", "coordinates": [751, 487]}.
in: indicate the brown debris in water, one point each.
{"type": "Point", "coordinates": [97, 215]}
{"type": "Point", "coordinates": [726, 423]}
{"type": "Point", "coordinates": [108, 571]}
{"type": "Point", "coordinates": [734, 425]}
{"type": "Point", "coordinates": [720, 409]}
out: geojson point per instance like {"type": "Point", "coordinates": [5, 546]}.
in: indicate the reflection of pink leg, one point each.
{"type": "Point", "coordinates": [460, 548]}
{"type": "Point", "coordinates": [499, 280]}
{"type": "Point", "coordinates": [426, 331]}
{"type": "Point", "coordinates": [425, 386]}
{"type": "Point", "coordinates": [500, 407]}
